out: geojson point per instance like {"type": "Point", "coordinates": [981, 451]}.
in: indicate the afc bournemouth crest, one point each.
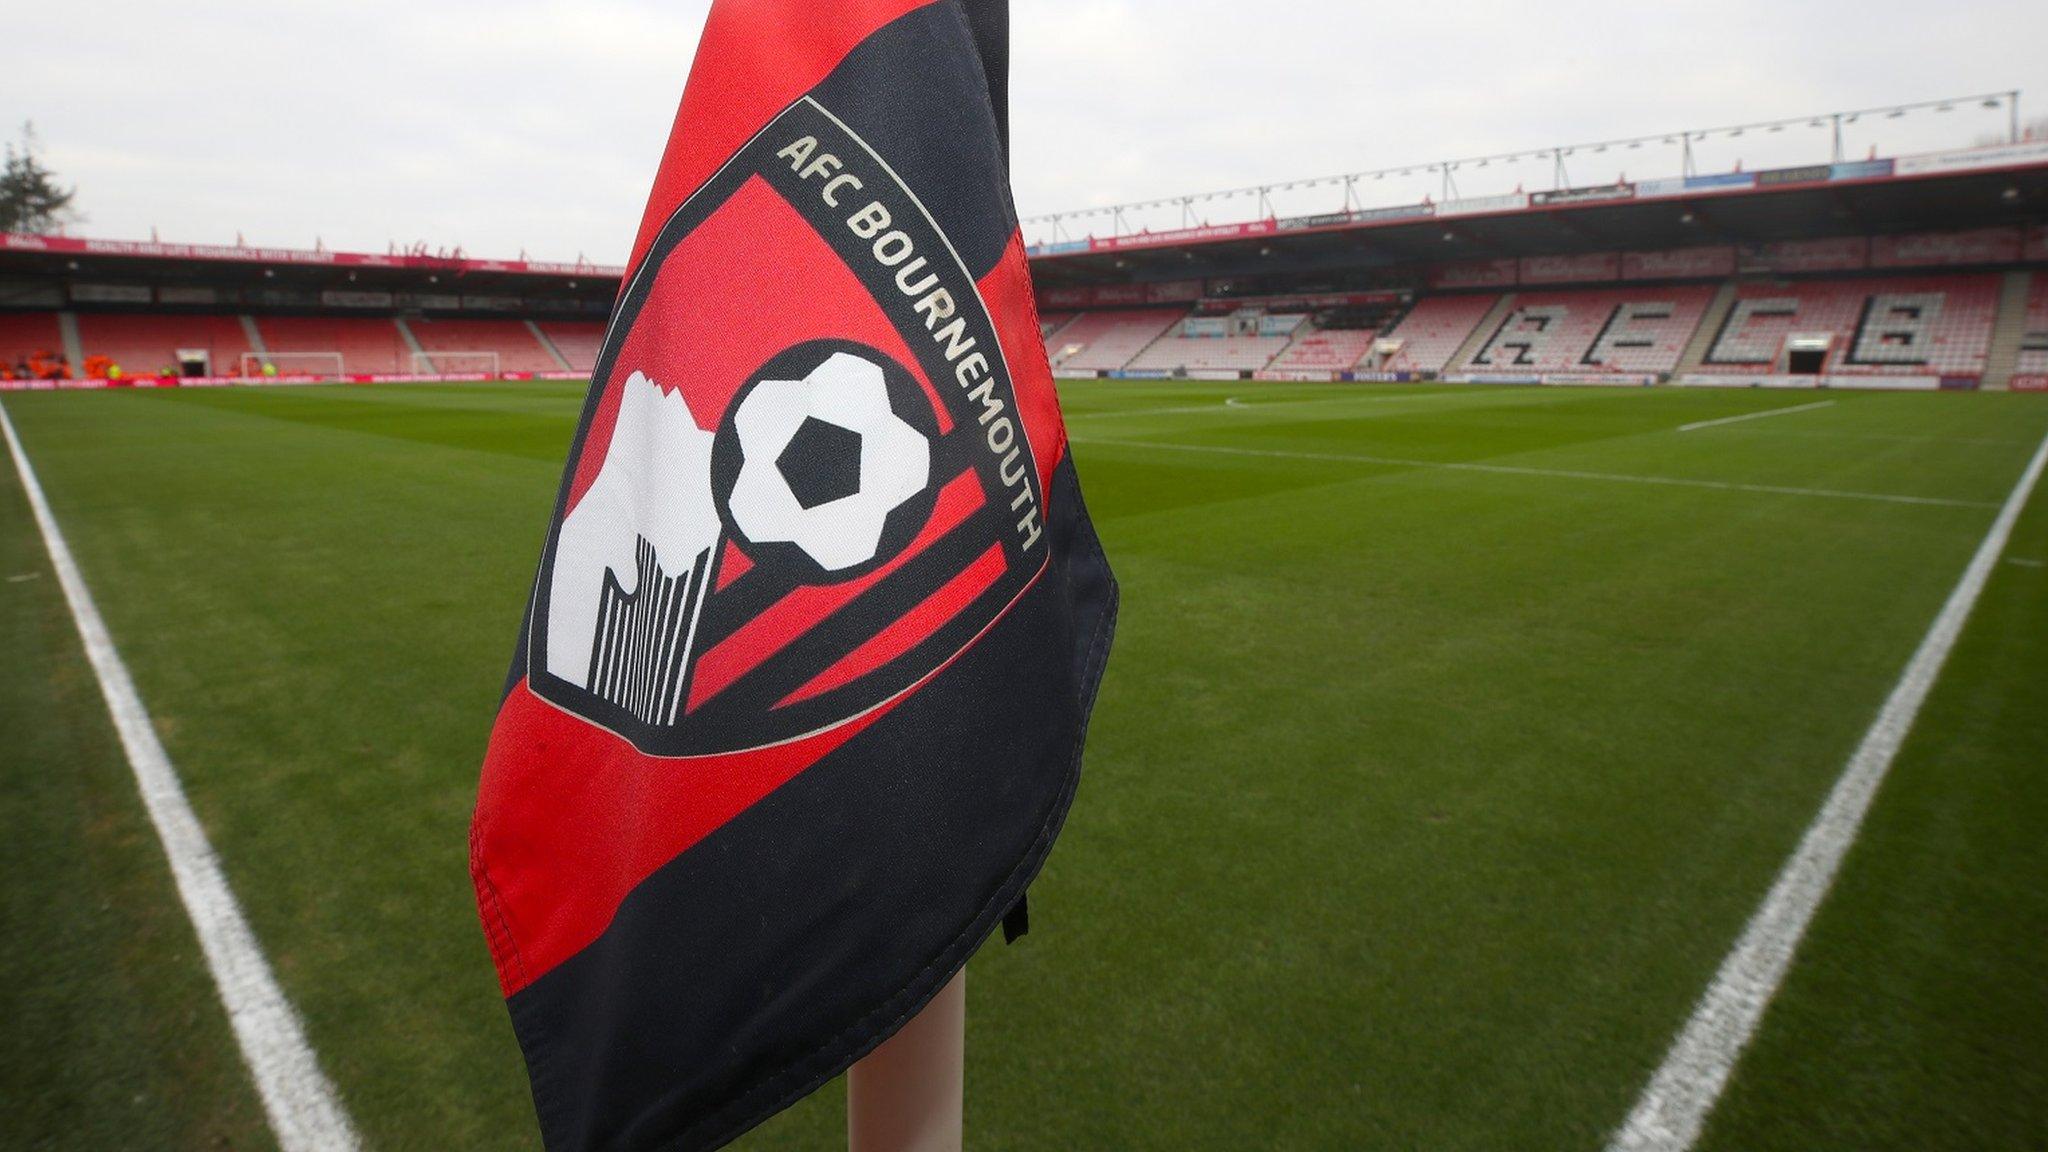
{"type": "Point", "coordinates": [801, 485]}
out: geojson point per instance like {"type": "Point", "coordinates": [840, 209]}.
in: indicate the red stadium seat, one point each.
{"type": "Point", "coordinates": [1319, 350]}
{"type": "Point", "coordinates": [24, 334]}
{"type": "Point", "coordinates": [365, 344]}
{"type": "Point", "coordinates": [2033, 360]}
{"type": "Point", "coordinates": [1433, 331]}
{"type": "Point", "coordinates": [145, 345]}
{"type": "Point", "coordinates": [1905, 325]}
{"type": "Point", "coordinates": [1106, 341]}
{"type": "Point", "coordinates": [578, 341]}
{"type": "Point", "coordinates": [1241, 347]}
{"type": "Point", "coordinates": [514, 344]}
{"type": "Point", "coordinates": [1628, 330]}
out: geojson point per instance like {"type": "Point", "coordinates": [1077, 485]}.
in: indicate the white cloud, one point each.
{"type": "Point", "coordinates": [536, 124]}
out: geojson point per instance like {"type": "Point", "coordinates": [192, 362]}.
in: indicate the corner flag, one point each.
{"type": "Point", "coordinates": [797, 708]}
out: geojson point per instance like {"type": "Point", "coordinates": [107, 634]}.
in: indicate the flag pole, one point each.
{"type": "Point", "coordinates": [907, 1095]}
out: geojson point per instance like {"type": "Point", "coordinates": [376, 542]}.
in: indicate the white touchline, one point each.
{"type": "Point", "coordinates": [1675, 1105]}
{"type": "Point", "coordinates": [1554, 473]}
{"type": "Point", "coordinates": [1699, 424]}
{"type": "Point", "coordinates": [304, 1110]}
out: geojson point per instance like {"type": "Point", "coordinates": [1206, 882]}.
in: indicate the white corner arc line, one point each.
{"type": "Point", "coordinates": [1699, 424]}
{"type": "Point", "coordinates": [304, 1110]}
{"type": "Point", "coordinates": [1675, 1105]}
{"type": "Point", "coordinates": [1521, 470]}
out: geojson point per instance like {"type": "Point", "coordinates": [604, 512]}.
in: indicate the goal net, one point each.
{"type": "Point", "coordinates": [479, 365]}
{"type": "Point", "coordinates": [291, 364]}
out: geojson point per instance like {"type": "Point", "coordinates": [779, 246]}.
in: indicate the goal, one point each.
{"type": "Point", "coordinates": [291, 364]}
{"type": "Point", "coordinates": [480, 365]}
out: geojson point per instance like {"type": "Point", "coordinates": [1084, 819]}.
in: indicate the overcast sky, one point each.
{"type": "Point", "coordinates": [535, 125]}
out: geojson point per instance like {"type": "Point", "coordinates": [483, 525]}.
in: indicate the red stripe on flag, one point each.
{"type": "Point", "coordinates": [806, 608]}
{"type": "Point", "coordinates": [571, 818]}
{"type": "Point", "coordinates": [1014, 308]}
{"type": "Point", "coordinates": [753, 61]}
{"type": "Point", "coordinates": [919, 624]}
{"type": "Point", "coordinates": [732, 565]}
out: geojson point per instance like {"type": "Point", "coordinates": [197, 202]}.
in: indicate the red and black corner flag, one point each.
{"type": "Point", "coordinates": [798, 705]}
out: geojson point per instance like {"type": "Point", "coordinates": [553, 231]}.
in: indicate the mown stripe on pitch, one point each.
{"type": "Point", "coordinates": [1682, 1094]}
{"type": "Point", "coordinates": [304, 1109]}
{"type": "Point", "coordinates": [1524, 470]}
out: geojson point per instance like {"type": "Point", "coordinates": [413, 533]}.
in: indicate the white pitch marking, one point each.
{"type": "Point", "coordinates": [1699, 424]}
{"type": "Point", "coordinates": [2024, 562]}
{"type": "Point", "coordinates": [1888, 437]}
{"type": "Point", "coordinates": [1675, 1105]}
{"type": "Point", "coordinates": [1129, 412]}
{"type": "Point", "coordinates": [305, 1111]}
{"type": "Point", "coordinates": [1557, 473]}
{"type": "Point", "coordinates": [1239, 402]}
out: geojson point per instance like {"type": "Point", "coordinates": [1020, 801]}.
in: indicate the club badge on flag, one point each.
{"type": "Point", "coordinates": [797, 709]}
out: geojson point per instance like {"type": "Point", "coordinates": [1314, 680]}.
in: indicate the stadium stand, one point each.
{"type": "Point", "coordinates": [1335, 339]}
{"type": "Point", "coordinates": [1640, 330]}
{"type": "Point", "coordinates": [1051, 322]}
{"type": "Point", "coordinates": [1242, 341]}
{"type": "Point", "coordinates": [1106, 341]}
{"type": "Point", "coordinates": [1897, 325]}
{"type": "Point", "coordinates": [1325, 350]}
{"type": "Point", "coordinates": [24, 335]}
{"type": "Point", "coordinates": [1433, 330]}
{"type": "Point", "coordinates": [2033, 359]}
{"type": "Point", "coordinates": [1209, 354]}
{"type": "Point", "coordinates": [515, 346]}
{"type": "Point", "coordinates": [365, 344]}
{"type": "Point", "coordinates": [578, 342]}
{"type": "Point", "coordinates": [149, 345]}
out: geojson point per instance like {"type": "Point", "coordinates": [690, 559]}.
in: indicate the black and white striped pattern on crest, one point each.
{"type": "Point", "coordinates": [639, 658]}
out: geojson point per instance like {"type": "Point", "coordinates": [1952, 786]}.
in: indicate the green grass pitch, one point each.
{"type": "Point", "coordinates": [1451, 737]}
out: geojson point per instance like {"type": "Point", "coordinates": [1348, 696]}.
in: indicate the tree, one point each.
{"type": "Point", "coordinates": [31, 200]}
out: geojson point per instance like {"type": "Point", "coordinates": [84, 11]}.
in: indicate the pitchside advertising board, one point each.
{"type": "Point", "coordinates": [1874, 383]}
{"type": "Point", "coordinates": [1582, 379]}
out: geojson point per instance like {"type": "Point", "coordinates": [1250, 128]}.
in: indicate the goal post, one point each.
{"type": "Point", "coordinates": [479, 365]}
{"type": "Point", "coordinates": [291, 364]}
